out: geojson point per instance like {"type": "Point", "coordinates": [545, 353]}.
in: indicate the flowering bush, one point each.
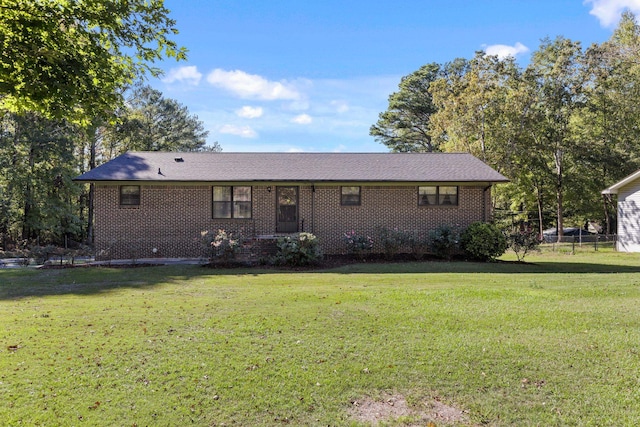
{"type": "Point", "coordinates": [221, 245]}
{"type": "Point", "coordinates": [357, 244]}
{"type": "Point", "coordinates": [300, 249]}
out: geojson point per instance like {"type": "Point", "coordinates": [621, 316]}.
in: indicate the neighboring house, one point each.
{"type": "Point", "coordinates": [163, 200]}
{"type": "Point", "coordinates": [628, 191]}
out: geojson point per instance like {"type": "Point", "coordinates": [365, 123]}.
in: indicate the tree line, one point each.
{"type": "Point", "coordinates": [39, 157]}
{"type": "Point", "coordinates": [561, 129]}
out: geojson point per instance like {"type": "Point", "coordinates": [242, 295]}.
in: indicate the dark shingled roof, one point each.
{"type": "Point", "coordinates": [304, 167]}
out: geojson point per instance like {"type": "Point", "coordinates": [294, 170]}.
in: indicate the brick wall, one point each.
{"type": "Point", "coordinates": [171, 218]}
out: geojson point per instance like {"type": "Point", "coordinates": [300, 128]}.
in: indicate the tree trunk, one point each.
{"type": "Point", "coordinates": [92, 165]}
{"type": "Point", "coordinates": [560, 213]}
{"type": "Point", "coordinates": [606, 200]}
{"type": "Point", "coordinates": [540, 225]}
{"type": "Point", "coordinates": [559, 190]}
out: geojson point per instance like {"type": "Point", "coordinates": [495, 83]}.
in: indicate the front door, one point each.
{"type": "Point", "coordinates": [287, 205]}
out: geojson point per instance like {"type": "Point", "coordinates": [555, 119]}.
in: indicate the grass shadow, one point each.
{"type": "Point", "coordinates": [23, 283]}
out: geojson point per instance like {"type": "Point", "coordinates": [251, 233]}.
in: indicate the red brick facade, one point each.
{"type": "Point", "coordinates": [170, 218]}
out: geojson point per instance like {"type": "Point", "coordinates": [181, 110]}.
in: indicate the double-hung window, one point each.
{"type": "Point", "coordinates": [129, 195]}
{"type": "Point", "coordinates": [231, 202]}
{"type": "Point", "coordinates": [441, 195]}
{"type": "Point", "coordinates": [350, 196]}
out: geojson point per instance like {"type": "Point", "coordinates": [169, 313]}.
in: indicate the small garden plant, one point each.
{"type": "Point", "coordinates": [418, 245]}
{"type": "Point", "coordinates": [357, 244]}
{"type": "Point", "coordinates": [523, 241]}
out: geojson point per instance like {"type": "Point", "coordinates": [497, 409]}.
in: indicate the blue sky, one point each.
{"type": "Point", "coordinates": [290, 76]}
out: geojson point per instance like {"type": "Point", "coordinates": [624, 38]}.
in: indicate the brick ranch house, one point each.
{"type": "Point", "coordinates": [164, 201]}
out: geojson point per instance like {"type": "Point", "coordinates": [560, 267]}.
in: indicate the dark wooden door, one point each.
{"type": "Point", "coordinates": [287, 206]}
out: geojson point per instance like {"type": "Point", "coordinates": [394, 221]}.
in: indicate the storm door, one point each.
{"type": "Point", "coordinates": [287, 205]}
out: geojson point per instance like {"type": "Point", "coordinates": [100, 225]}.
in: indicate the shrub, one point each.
{"type": "Point", "coordinates": [523, 241]}
{"type": "Point", "coordinates": [41, 253]}
{"type": "Point", "coordinates": [444, 241]}
{"type": "Point", "coordinates": [297, 250]}
{"type": "Point", "coordinates": [221, 246]}
{"type": "Point", "coordinates": [483, 242]}
{"type": "Point", "coordinates": [357, 244]}
{"type": "Point", "coordinates": [392, 241]}
{"type": "Point", "coordinates": [418, 245]}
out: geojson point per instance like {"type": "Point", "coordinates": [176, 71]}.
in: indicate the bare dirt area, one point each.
{"type": "Point", "coordinates": [391, 407]}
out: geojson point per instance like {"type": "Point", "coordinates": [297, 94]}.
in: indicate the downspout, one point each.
{"type": "Point", "coordinates": [313, 208]}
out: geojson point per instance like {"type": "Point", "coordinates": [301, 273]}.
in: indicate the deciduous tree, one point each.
{"type": "Point", "coordinates": [72, 59]}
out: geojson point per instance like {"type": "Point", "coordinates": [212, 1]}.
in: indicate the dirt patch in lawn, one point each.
{"type": "Point", "coordinates": [391, 407]}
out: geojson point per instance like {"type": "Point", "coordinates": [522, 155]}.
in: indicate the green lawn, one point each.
{"type": "Point", "coordinates": [552, 342]}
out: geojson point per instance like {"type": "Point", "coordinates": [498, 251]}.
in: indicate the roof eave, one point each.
{"type": "Point", "coordinates": [615, 187]}
{"type": "Point", "coordinates": [306, 181]}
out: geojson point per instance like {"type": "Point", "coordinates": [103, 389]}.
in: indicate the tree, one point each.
{"type": "Point", "coordinates": [557, 84]}
{"type": "Point", "coordinates": [150, 122]}
{"type": "Point", "coordinates": [72, 59]}
{"type": "Point", "coordinates": [472, 109]}
{"type": "Point", "coordinates": [608, 122]}
{"type": "Point", "coordinates": [404, 127]}
{"type": "Point", "coordinates": [36, 170]}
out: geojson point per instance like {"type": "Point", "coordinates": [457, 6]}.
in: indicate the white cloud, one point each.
{"type": "Point", "coordinates": [189, 75]}
{"type": "Point", "coordinates": [302, 119]}
{"type": "Point", "coordinates": [329, 130]}
{"type": "Point", "coordinates": [295, 150]}
{"type": "Point", "coordinates": [502, 50]}
{"type": "Point", "coordinates": [340, 106]}
{"type": "Point", "coordinates": [608, 11]}
{"type": "Point", "coordinates": [249, 112]}
{"type": "Point", "coordinates": [241, 131]}
{"type": "Point", "coordinates": [252, 86]}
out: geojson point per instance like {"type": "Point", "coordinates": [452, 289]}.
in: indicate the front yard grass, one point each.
{"type": "Point", "coordinates": [555, 341]}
